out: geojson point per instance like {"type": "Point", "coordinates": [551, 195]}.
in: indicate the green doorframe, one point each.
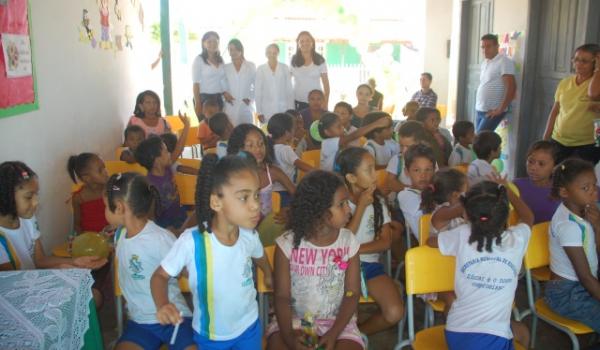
{"type": "Point", "coordinates": [165, 42]}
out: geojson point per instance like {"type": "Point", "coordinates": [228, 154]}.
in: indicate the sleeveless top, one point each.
{"type": "Point", "coordinates": [265, 193]}
{"type": "Point", "coordinates": [91, 215]}
{"type": "Point", "coordinates": [161, 128]}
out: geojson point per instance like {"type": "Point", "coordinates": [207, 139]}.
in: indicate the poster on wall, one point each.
{"type": "Point", "coordinates": [17, 71]}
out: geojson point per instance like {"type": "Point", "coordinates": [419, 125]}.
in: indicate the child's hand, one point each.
{"type": "Point", "coordinates": [184, 119]}
{"type": "Point", "coordinates": [366, 197]}
{"type": "Point", "coordinates": [327, 341]}
{"type": "Point", "coordinates": [169, 314]}
{"type": "Point", "coordinates": [89, 262]}
{"type": "Point", "coordinates": [269, 281]}
{"type": "Point", "coordinates": [497, 178]}
{"type": "Point", "coordinates": [592, 214]}
{"type": "Point", "coordinates": [299, 341]}
{"type": "Point", "coordinates": [382, 122]}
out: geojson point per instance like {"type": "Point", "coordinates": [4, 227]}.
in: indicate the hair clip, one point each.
{"type": "Point", "coordinates": [342, 265]}
{"type": "Point", "coordinates": [562, 167]}
{"type": "Point", "coordinates": [24, 175]}
{"type": "Point", "coordinates": [115, 188]}
{"type": "Point", "coordinates": [337, 168]}
{"type": "Point", "coordinates": [483, 218]}
{"type": "Point", "coordinates": [242, 154]}
{"type": "Point", "coordinates": [119, 176]}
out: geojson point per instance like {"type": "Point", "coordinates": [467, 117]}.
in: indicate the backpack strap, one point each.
{"type": "Point", "coordinates": [13, 258]}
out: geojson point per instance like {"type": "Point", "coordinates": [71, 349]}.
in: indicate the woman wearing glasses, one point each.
{"type": "Point", "coordinates": [571, 121]}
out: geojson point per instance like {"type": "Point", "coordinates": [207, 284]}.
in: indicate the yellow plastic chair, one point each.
{"type": "Point", "coordinates": [443, 110]}
{"type": "Point", "coordinates": [312, 157]}
{"type": "Point", "coordinates": [175, 123]}
{"type": "Point", "coordinates": [463, 168]}
{"type": "Point", "coordinates": [118, 296]}
{"type": "Point", "coordinates": [536, 256]}
{"type": "Point", "coordinates": [424, 228]}
{"type": "Point", "coordinates": [192, 163]}
{"type": "Point", "coordinates": [381, 176]}
{"type": "Point", "coordinates": [118, 152]}
{"type": "Point", "coordinates": [261, 288]}
{"type": "Point", "coordinates": [186, 185]}
{"type": "Point", "coordinates": [118, 166]}
{"type": "Point", "coordinates": [192, 141]}
{"type": "Point", "coordinates": [275, 202]}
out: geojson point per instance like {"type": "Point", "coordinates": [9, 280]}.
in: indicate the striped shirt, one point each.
{"type": "Point", "coordinates": [490, 91]}
{"type": "Point", "coordinates": [425, 99]}
{"type": "Point", "coordinates": [220, 278]}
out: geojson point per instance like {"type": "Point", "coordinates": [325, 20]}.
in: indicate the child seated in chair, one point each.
{"type": "Point", "coordinates": [221, 126]}
{"type": "Point", "coordinates": [134, 135]}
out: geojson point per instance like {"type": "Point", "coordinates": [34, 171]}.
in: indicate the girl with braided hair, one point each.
{"type": "Point", "coordinates": [370, 223]}
{"type": "Point", "coordinates": [488, 261]}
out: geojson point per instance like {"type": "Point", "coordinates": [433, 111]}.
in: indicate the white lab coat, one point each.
{"type": "Point", "coordinates": [274, 92]}
{"type": "Point", "coordinates": [241, 86]}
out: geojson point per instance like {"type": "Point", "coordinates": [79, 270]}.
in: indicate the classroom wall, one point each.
{"type": "Point", "coordinates": [438, 28]}
{"type": "Point", "coordinates": [85, 98]}
{"type": "Point", "coordinates": [510, 15]}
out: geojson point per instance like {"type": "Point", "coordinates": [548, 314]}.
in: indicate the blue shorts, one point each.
{"type": "Point", "coordinates": [286, 198]}
{"type": "Point", "coordinates": [372, 270]}
{"type": "Point", "coordinates": [251, 339]}
{"type": "Point", "coordinates": [570, 299]}
{"type": "Point", "coordinates": [477, 341]}
{"type": "Point", "coordinates": [152, 336]}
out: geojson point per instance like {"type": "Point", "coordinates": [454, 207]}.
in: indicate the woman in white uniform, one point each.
{"type": "Point", "coordinates": [208, 74]}
{"type": "Point", "coordinates": [274, 92]}
{"type": "Point", "coordinates": [240, 76]}
{"type": "Point", "coordinates": [309, 70]}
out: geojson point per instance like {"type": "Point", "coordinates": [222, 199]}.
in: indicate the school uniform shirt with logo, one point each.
{"type": "Point", "coordinates": [220, 278]}
{"type": "Point", "coordinates": [570, 230]}
{"type": "Point", "coordinates": [392, 146]}
{"type": "Point", "coordinates": [396, 167]}
{"type": "Point", "coordinates": [139, 256]}
{"type": "Point", "coordinates": [381, 153]}
{"type": "Point", "coordinates": [316, 273]}
{"type": "Point", "coordinates": [17, 246]}
{"type": "Point", "coordinates": [478, 171]}
{"type": "Point", "coordinates": [284, 159]}
{"type": "Point", "coordinates": [366, 228]}
{"type": "Point", "coordinates": [350, 130]}
{"type": "Point", "coordinates": [329, 150]}
{"type": "Point", "coordinates": [221, 148]}
{"type": "Point", "coordinates": [461, 155]}
{"type": "Point", "coordinates": [484, 282]}
{"type": "Point", "coordinates": [409, 200]}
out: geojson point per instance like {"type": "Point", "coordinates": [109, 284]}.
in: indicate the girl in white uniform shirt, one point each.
{"type": "Point", "coordinates": [309, 70]}
{"type": "Point", "coordinates": [240, 76]}
{"type": "Point", "coordinates": [273, 89]}
{"type": "Point", "coordinates": [208, 74]}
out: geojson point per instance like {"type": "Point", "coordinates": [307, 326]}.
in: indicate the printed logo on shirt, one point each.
{"type": "Point", "coordinates": [483, 272]}
{"type": "Point", "coordinates": [315, 262]}
{"type": "Point", "coordinates": [247, 274]}
{"type": "Point", "coordinates": [135, 266]}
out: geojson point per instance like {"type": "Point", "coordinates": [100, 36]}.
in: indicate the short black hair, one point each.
{"type": "Point", "coordinates": [428, 75]}
{"type": "Point", "coordinates": [170, 140]}
{"type": "Point", "coordinates": [218, 123]}
{"type": "Point", "coordinates": [461, 128]}
{"type": "Point", "coordinates": [418, 151]}
{"type": "Point", "coordinates": [135, 190]}
{"type": "Point", "coordinates": [485, 143]}
{"type": "Point", "coordinates": [148, 151]}
{"type": "Point", "coordinates": [490, 37]}
{"type": "Point", "coordinates": [424, 112]}
{"type": "Point", "coordinates": [133, 129]}
{"type": "Point", "coordinates": [12, 175]}
{"type": "Point", "coordinates": [371, 118]}
{"type": "Point", "coordinates": [238, 138]}
{"type": "Point", "coordinates": [543, 145]}
{"type": "Point", "coordinates": [412, 128]}
{"type": "Point", "coordinates": [77, 164]}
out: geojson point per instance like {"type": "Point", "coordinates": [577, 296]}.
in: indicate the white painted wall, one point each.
{"type": "Point", "coordinates": [438, 28]}
{"type": "Point", "coordinates": [85, 98]}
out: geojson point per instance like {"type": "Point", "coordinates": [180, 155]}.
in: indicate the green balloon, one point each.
{"type": "Point", "coordinates": [90, 244]}
{"type": "Point", "coordinates": [498, 164]}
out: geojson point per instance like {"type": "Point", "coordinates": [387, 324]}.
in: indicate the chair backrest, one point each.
{"type": "Point", "coordinates": [175, 123]}
{"type": "Point", "coordinates": [538, 251]}
{"type": "Point", "coordinates": [118, 166]}
{"type": "Point", "coordinates": [275, 202]}
{"type": "Point", "coordinates": [118, 152]}
{"type": "Point", "coordinates": [424, 227]}
{"type": "Point", "coordinates": [192, 163]}
{"type": "Point", "coordinates": [428, 271]}
{"type": "Point", "coordinates": [443, 110]}
{"type": "Point", "coordinates": [260, 276]}
{"type": "Point", "coordinates": [381, 176]}
{"type": "Point", "coordinates": [192, 137]}
{"type": "Point", "coordinates": [362, 140]}
{"type": "Point", "coordinates": [463, 168]}
{"type": "Point", "coordinates": [312, 157]}
{"type": "Point", "coordinates": [186, 185]}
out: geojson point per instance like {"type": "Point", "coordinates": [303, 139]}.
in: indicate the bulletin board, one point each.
{"type": "Point", "coordinates": [18, 93]}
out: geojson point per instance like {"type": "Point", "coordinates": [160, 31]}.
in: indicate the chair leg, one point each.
{"type": "Point", "coordinates": [430, 316]}
{"type": "Point", "coordinates": [536, 287]}
{"type": "Point", "coordinates": [261, 310]}
{"type": "Point", "coordinates": [534, 321]}
{"type": "Point", "coordinates": [119, 312]}
{"type": "Point", "coordinates": [574, 340]}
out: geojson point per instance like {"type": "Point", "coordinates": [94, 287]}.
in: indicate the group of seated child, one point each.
{"type": "Point", "coordinates": [334, 226]}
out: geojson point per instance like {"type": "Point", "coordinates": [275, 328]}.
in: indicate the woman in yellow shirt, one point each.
{"type": "Point", "coordinates": [571, 121]}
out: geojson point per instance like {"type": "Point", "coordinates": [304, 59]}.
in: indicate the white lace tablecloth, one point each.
{"type": "Point", "coordinates": [44, 309]}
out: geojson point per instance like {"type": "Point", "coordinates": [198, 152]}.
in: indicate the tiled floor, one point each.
{"type": "Point", "coordinates": [548, 337]}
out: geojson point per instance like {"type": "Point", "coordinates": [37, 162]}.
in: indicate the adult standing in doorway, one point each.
{"type": "Point", "coordinates": [426, 97]}
{"type": "Point", "coordinates": [274, 92]}
{"type": "Point", "coordinates": [497, 86]}
{"type": "Point", "coordinates": [377, 100]}
{"type": "Point", "coordinates": [208, 74]}
{"type": "Point", "coordinates": [571, 120]}
{"type": "Point", "coordinates": [309, 70]}
{"type": "Point", "coordinates": [240, 76]}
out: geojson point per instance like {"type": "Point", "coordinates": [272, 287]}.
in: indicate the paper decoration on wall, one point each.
{"type": "Point", "coordinates": [118, 10]}
{"type": "Point", "coordinates": [118, 42]}
{"type": "Point", "coordinates": [86, 34]}
{"type": "Point", "coordinates": [141, 16]}
{"type": "Point", "coordinates": [105, 42]}
{"type": "Point", "coordinates": [128, 37]}
{"type": "Point", "coordinates": [17, 55]}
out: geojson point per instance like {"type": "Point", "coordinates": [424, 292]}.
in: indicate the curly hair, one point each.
{"type": "Point", "coordinates": [418, 151]}
{"type": "Point", "coordinates": [214, 174]}
{"type": "Point", "coordinates": [12, 175]}
{"type": "Point", "coordinates": [566, 172]}
{"type": "Point", "coordinates": [444, 182]}
{"type": "Point", "coordinates": [311, 203]}
{"type": "Point", "coordinates": [148, 150]}
{"type": "Point", "coordinates": [486, 205]}
{"type": "Point", "coordinates": [238, 138]}
{"type": "Point", "coordinates": [347, 162]}
{"type": "Point", "coordinates": [77, 165]}
{"type": "Point", "coordinates": [135, 190]}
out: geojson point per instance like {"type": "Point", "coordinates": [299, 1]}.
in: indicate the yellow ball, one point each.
{"type": "Point", "coordinates": [90, 244]}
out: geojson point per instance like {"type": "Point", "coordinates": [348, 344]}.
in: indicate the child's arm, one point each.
{"type": "Point", "coordinates": [184, 169]}
{"type": "Point", "coordinates": [362, 131]}
{"type": "Point", "coordinates": [76, 203]}
{"type": "Point", "coordinates": [182, 138]}
{"type": "Point", "coordinates": [349, 304]}
{"type": "Point", "coordinates": [444, 215]}
{"type": "Point", "coordinates": [264, 265]}
{"type": "Point", "coordinates": [166, 312]}
{"type": "Point", "coordinates": [302, 165]}
{"type": "Point", "coordinates": [392, 183]}
{"type": "Point", "coordinates": [525, 214]}
{"type": "Point", "coordinates": [379, 245]}
{"type": "Point", "coordinates": [592, 215]}
{"type": "Point", "coordinates": [127, 156]}
{"type": "Point", "coordinates": [432, 241]}
{"type": "Point", "coordinates": [582, 269]}
{"type": "Point", "coordinates": [43, 261]}
{"type": "Point", "coordinates": [283, 301]}
{"type": "Point", "coordinates": [279, 176]}
{"type": "Point", "coordinates": [365, 199]}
